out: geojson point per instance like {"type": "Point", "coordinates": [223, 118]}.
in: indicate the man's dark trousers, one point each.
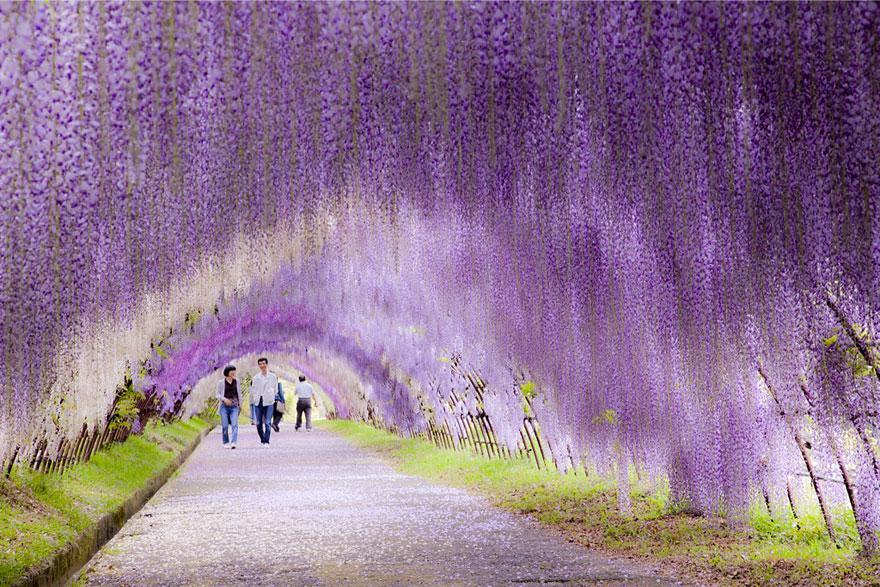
{"type": "Point", "coordinates": [304, 405]}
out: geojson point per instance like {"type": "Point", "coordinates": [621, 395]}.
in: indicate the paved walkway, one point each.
{"type": "Point", "coordinates": [315, 510]}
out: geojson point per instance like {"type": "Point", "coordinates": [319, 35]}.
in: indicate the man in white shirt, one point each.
{"type": "Point", "coordinates": [263, 388]}
{"type": "Point", "coordinates": [304, 395]}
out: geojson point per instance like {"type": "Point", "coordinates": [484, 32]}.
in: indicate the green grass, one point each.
{"type": "Point", "coordinates": [764, 551]}
{"type": "Point", "coordinates": [40, 513]}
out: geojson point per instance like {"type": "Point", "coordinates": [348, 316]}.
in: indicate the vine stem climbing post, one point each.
{"type": "Point", "coordinates": [805, 454]}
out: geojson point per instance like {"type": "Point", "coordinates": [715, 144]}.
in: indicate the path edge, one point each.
{"type": "Point", "coordinates": [74, 555]}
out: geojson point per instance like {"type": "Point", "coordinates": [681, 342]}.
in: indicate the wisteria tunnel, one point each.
{"type": "Point", "coordinates": [611, 237]}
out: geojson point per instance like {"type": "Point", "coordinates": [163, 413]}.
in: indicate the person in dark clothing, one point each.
{"type": "Point", "coordinates": [304, 394]}
{"type": "Point", "coordinates": [280, 408]}
{"type": "Point", "coordinates": [230, 403]}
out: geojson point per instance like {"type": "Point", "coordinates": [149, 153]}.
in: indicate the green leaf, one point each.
{"type": "Point", "coordinates": [859, 330]}
{"type": "Point", "coordinates": [609, 416]}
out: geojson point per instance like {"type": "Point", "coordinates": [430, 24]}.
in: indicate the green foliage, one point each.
{"type": "Point", "coordinates": [861, 332]}
{"type": "Point", "coordinates": [863, 371]}
{"type": "Point", "coordinates": [41, 513]}
{"type": "Point", "coordinates": [859, 365]}
{"type": "Point", "coordinates": [608, 416]}
{"type": "Point", "coordinates": [768, 551]}
{"type": "Point", "coordinates": [529, 390]}
{"type": "Point", "coordinates": [192, 318]}
{"type": "Point", "coordinates": [856, 360]}
{"type": "Point", "coordinates": [125, 411]}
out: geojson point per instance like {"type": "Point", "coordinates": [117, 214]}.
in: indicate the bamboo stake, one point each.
{"type": "Point", "coordinates": [449, 434]}
{"type": "Point", "coordinates": [441, 439]}
{"type": "Point", "coordinates": [65, 454]}
{"type": "Point", "coordinates": [91, 446]}
{"type": "Point", "coordinates": [481, 432]}
{"type": "Point", "coordinates": [475, 441]}
{"type": "Point", "coordinates": [505, 452]}
{"type": "Point", "coordinates": [84, 439]}
{"type": "Point", "coordinates": [438, 432]}
{"type": "Point", "coordinates": [465, 437]}
{"type": "Point", "coordinates": [429, 434]}
{"type": "Point", "coordinates": [525, 429]}
{"type": "Point", "coordinates": [531, 422]}
{"type": "Point", "coordinates": [447, 438]}
{"type": "Point", "coordinates": [53, 465]}
{"type": "Point", "coordinates": [11, 462]}
{"type": "Point", "coordinates": [797, 522]}
{"type": "Point", "coordinates": [37, 459]}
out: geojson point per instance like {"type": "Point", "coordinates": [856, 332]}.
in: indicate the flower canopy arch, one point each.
{"type": "Point", "coordinates": [661, 217]}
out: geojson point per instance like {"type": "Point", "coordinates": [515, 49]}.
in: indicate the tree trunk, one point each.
{"type": "Point", "coordinates": [808, 460]}
{"type": "Point", "coordinates": [866, 534]}
{"type": "Point", "coordinates": [624, 503]}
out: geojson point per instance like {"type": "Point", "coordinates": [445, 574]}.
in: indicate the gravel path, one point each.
{"type": "Point", "coordinates": [315, 510]}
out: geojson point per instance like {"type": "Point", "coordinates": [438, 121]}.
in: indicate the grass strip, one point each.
{"type": "Point", "coordinates": [40, 514]}
{"type": "Point", "coordinates": [705, 549]}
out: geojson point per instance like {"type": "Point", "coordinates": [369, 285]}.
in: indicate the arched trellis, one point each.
{"type": "Point", "coordinates": [662, 213]}
{"type": "Point", "coordinates": [376, 390]}
{"type": "Point", "coordinates": [361, 384]}
{"type": "Point", "coordinates": [455, 417]}
{"type": "Point", "coordinates": [170, 378]}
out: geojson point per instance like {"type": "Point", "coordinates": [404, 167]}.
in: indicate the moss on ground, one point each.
{"type": "Point", "coordinates": [705, 549]}
{"type": "Point", "coordinates": [41, 513]}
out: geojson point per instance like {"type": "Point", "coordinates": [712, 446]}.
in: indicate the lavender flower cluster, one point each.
{"type": "Point", "coordinates": [662, 218]}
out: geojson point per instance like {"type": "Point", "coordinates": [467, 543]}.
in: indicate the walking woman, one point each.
{"type": "Point", "coordinates": [230, 403]}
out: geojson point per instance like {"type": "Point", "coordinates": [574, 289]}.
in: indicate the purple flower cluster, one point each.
{"type": "Point", "coordinates": [661, 216]}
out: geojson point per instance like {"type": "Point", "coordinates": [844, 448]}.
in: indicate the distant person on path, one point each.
{"type": "Point", "coordinates": [280, 408]}
{"type": "Point", "coordinates": [230, 403]}
{"type": "Point", "coordinates": [263, 390]}
{"type": "Point", "coordinates": [304, 395]}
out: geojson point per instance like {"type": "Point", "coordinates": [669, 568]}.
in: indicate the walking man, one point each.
{"type": "Point", "coordinates": [304, 394]}
{"type": "Point", "coordinates": [230, 403]}
{"type": "Point", "coordinates": [263, 388]}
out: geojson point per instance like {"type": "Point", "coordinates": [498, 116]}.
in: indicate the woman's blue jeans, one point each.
{"type": "Point", "coordinates": [229, 416]}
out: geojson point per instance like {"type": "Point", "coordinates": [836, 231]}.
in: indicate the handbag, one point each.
{"type": "Point", "coordinates": [281, 407]}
